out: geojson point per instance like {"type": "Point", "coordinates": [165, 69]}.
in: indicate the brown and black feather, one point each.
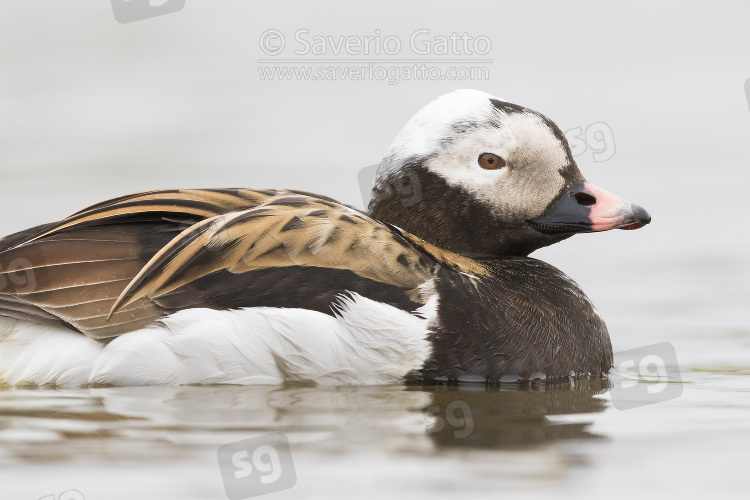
{"type": "Point", "coordinates": [124, 263]}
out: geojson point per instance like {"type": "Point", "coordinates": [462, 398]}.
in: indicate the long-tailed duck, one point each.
{"type": "Point", "coordinates": [432, 283]}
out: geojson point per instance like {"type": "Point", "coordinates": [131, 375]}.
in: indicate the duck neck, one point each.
{"type": "Point", "coordinates": [422, 203]}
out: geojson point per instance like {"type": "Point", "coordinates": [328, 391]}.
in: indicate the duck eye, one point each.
{"type": "Point", "coordinates": [488, 161]}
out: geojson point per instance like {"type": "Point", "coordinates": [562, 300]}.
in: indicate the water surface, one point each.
{"type": "Point", "coordinates": [375, 442]}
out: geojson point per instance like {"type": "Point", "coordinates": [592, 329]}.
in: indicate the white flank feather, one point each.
{"type": "Point", "coordinates": [38, 354]}
{"type": "Point", "coordinates": [366, 343]}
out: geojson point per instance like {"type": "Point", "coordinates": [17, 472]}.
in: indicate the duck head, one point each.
{"type": "Point", "coordinates": [483, 177]}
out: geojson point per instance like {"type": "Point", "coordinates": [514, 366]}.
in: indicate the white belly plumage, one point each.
{"type": "Point", "coordinates": [366, 343]}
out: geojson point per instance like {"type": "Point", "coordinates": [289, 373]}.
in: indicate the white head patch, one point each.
{"type": "Point", "coordinates": [449, 134]}
{"type": "Point", "coordinates": [424, 132]}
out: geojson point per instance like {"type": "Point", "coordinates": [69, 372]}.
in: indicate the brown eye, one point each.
{"type": "Point", "coordinates": [489, 161]}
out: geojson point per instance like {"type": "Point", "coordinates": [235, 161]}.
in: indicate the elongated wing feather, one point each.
{"type": "Point", "coordinates": [182, 204]}
{"type": "Point", "coordinates": [288, 231]}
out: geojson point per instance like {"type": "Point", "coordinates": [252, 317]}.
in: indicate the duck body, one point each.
{"type": "Point", "coordinates": [436, 319]}
{"type": "Point", "coordinates": [432, 284]}
{"type": "Point", "coordinates": [525, 320]}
